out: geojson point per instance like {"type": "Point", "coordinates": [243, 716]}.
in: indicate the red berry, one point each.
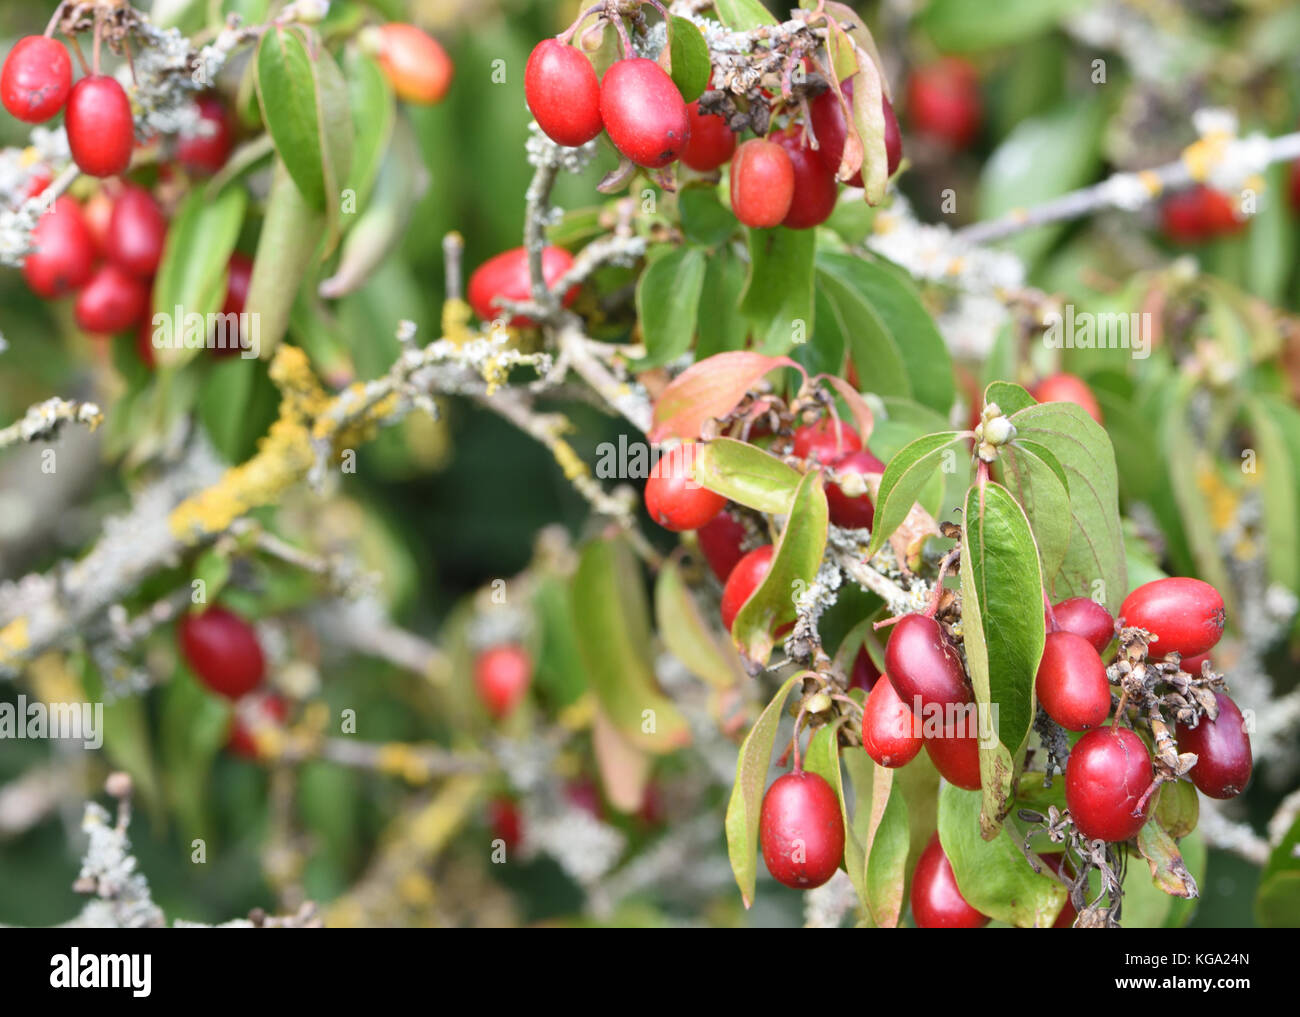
{"type": "Point", "coordinates": [1067, 388]}
{"type": "Point", "coordinates": [1085, 617]}
{"type": "Point", "coordinates": [239, 274]}
{"type": "Point", "coordinates": [583, 794]}
{"type": "Point", "coordinates": [563, 93]}
{"type": "Point", "coordinates": [37, 181]}
{"type": "Point", "coordinates": [673, 497]}
{"type": "Point", "coordinates": [36, 79]}
{"type": "Point", "coordinates": [136, 231]}
{"type": "Point", "coordinates": [888, 728]}
{"type": "Point", "coordinates": [502, 675]}
{"type": "Point", "coordinates": [1293, 180]}
{"type": "Point", "coordinates": [506, 276]}
{"type": "Point", "coordinates": [98, 211]}
{"type": "Point", "coordinates": [943, 101]}
{"type": "Point", "coordinates": [956, 757]}
{"type": "Point", "coordinates": [830, 126]}
{"type": "Point", "coordinates": [252, 715]}
{"type": "Point", "coordinates": [1071, 682]}
{"type": "Point", "coordinates": [101, 133]}
{"type": "Point", "coordinates": [144, 341]}
{"type": "Point", "coordinates": [1192, 665]}
{"type": "Point", "coordinates": [826, 440]}
{"type": "Point", "coordinates": [720, 543]}
{"type": "Point", "coordinates": [112, 301]}
{"type": "Point", "coordinates": [414, 62]}
{"type": "Point", "coordinates": [505, 822]}
{"type": "Point", "coordinates": [762, 183]}
{"type": "Point", "coordinates": [852, 512]}
{"type": "Point", "coordinates": [711, 142]}
{"type": "Point", "coordinates": [222, 649]}
{"type": "Point", "coordinates": [63, 254]}
{"type": "Point", "coordinates": [815, 187]}
{"type": "Point", "coordinates": [1198, 214]}
{"type": "Point", "coordinates": [745, 578]}
{"type": "Point", "coordinates": [922, 663]}
{"type": "Point", "coordinates": [1186, 615]}
{"type": "Point", "coordinates": [1222, 747]}
{"type": "Point", "coordinates": [207, 147]}
{"type": "Point", "coordinates": [801, 830]}
{"type": "Point", "coordinates": [1065, 920]}
{"type": "Point", "coordinates": [643, 113]}
{"type": "Point", "coordinates": [936, 901]}
{"type": "Point", "coordinates": [865, 673]}
{"type": "Point", "coordinates": [1108, 772]}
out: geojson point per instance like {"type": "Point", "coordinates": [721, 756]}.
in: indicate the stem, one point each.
{"type": "Point", "coordinates": [628, 51]}
{"type": "Point", "coordinates": [1051, 615]}
{"type": "Point", "coordinates": [99, 26]}
{"type": "Point", "coordinates": [58, 13]}
{"type": "Point", "coordinates": [798, 721]}
{"type": "Point", "coordinates": [453, 247]}
{"type": "Point", "coordinates": [81, 57]}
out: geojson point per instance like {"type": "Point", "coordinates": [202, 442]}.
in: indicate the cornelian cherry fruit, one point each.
{"type": "Point", "coordinates": [502, 675]}
{"type": "Point", "coordinates": [937, 903]}
{"type": "Point", "coordinates": [923, 664]}
{"type": "Point", "coordinates": [506, 276]}
{"type": "Point", "coordinates": [268, 711]}
{"type": "Point", "coordinates": [825, 440]}
{"type": "Point", "coordinates": [1198, 214]}
{"type": "Point", "coordinates": [815, 187]}
{"type": "Point", "coordinates": [1186, 615]}
{"type": "Point", "coordinates": [673, 497]}
{"type": "Point", "coordinates": [762, 183]}
{"type": "Point", "coordinates": [1065, 920]}
{"type": "Point", "coordinates": [644, 114]}
{"type": "Point", "coordinates": [1108, 772]}
{"type": "Point", "coordinates": [943, 101]}
{"type": "Point", "coordinates": [1085, 617]}
{"type": "Point", "coordinates": [857, 511]}
{"type": "Point", "coordinates": [745, 578]}
{"type": "Point", "coordinates": [865, 674]}
{"type": "Point", "coordinates": [1068, 388]}
{"type": "Point", "coordinates": [1222, 747]}
{"type": "Point", "coordinates": [505, 822]}
{"type": "Point", "coordinates": [206, 148]}
{"type": "Point", "coordinates": [957, 758]}
{"type": "Point", "coordinates": [801, 830]}
{"type": "Point", "coordinates": [63, 252]}
{"type": "Point", "coordinates": [563, 93]}
{"type": "Point", "coordinates": [111, 301]}
{"type": "Point", "coordinates": [101, 133]}
{"type": "Point", "coordinates": [414, 62]}
{"type": "Point", "coordinates": [720, 543]}
{"type": "Point", "coordinates": [36, 79]}
{"type": "Point", "coordinates": [711, 142]}
{"type": "Point", "coordinates": [888, 728]}
{"type": "Point", "coordinates": [222, 649]}
{"type": "Point", "coordinates": [830, 126]}
{"type": "Point", "coordinates": [137, 229]}
{"type": "Point", "coordinates": [1071, 682]}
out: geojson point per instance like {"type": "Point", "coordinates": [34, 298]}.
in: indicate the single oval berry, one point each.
{"type": "Point", "coordinates": [1085, 617]}
{"type": "Point", "coordinates": [1068, 388]}
{"type": "Point", "coordinates": [943, 101]}
{"type": "Point", "coordinates": [36, 79]}
{"type": "Point", "coordinates": [674, 499]}
{"type": "Point", "coordinates": [113, 300]}
{"type": "Point", "coordinates": [762, 183]}
{"type": "Point", "coordinates": [923, 664]}
{"type": "Point", "coordinates": [101, 134]}
{"type": "Point", "coordinates": [711, 142]}
{"type": "Point", "coordinates": [815, 187]}
{"type": "Point", "coordinates": [414, 62]}
{"type": "Point", "coordinates": [830, 126]}
{"type": "Point", "coordinates": [937, 903]}
{"type": "Point", "coordinates": [644, 114]}
{"type": "Point", "coordinates": [563, 93]}
{"type": "Point", "coordinates": [852, 512]}
{"type": "Point", "coordinates": [137, 229]}
{"type": "Point", "coordinates": [1108, 772]}
{"type": "Point", "coordinates": [801, 830]}
{"type": "Point", "coordinates": [206, 148]}
{"type": "Point", "coordinates": [63, 254]}
{"type": "Point", "coordinates": [222, 649]}
{"type": "Point", "coordinates": [1198, 214]}
{"type": "Point", "coordinates": [252, 715]}
{"type": "Point", "coordinates": [506, 276]}
{"type": "Point", "coordinates": [888, 728]}
{"type": "Point", "coordinates": [865, 673]}
{"type": "Point", "coordinates": [743, 581]}
{"type": "Point", "coordinates": [502, 675]}
{"type": "Point", "coordinates": [1071, 682]}
{"type": "Point", "coordinates": [1222, 747]}
{"type": "Point", "coordinates": [1186, 615]}
{"type": "Point", "coordinates": [505, 822]}
{"type": "Point", "coordinates": [720, 543]}
{"type": "Point", "coordinates": [825, 440]}
{"type": "Point", "coordinates": [957, 758]}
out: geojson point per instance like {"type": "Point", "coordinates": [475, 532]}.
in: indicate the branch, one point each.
{"type": "Point", "coordinates": [43, 421]}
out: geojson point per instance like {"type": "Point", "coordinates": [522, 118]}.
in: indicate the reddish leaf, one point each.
{"type": "Point", "coordinates": [862, 416]}
{"type": "Point", "coordinates": [711, 388]}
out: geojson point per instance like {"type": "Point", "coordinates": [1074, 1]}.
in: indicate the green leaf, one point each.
{"type": "Point", "coordinates": [1168, 871]}
{"type": "Point", "coordinates": [1008, 397]}
{"type": "Point", "coordinates": [743, 809]}
{"type": "Point", "coordinates": [611, 619]}
{"type": "Point", "coordinates": [860, 768]}
{"type": "Point", "coordinates": [746, 474]}
{"type": "Point", "coordinates": [237, 403]}
{"type": "Point", "coordinates": [794, 566]}
{"type": "Point", "coordinates": [721, 326]}
{"type": "Point", "coordinates": [1277, 902]}
{"type": "Point", "coordinates": [823, 759]}
{"type": "Point", "coordinates": [994, 875]}
{"type": "Point", "coordinates": [887, 855]}
{"type": "Point", "coordinates": [708, 389]}
{"type": "Point", "coordinates": [194, 726]}
{"type": "Point", "coordinates": [869, 126]}
{"type": "Point", "coordinates": [374, 111]}
{"type": "Point", "coordinates": [705, 220]}
{"type": "Point", "coordinates": [1038, 481]}
{"type": "Point", "coordinates": [743, 15]}
{"type": "Point", "coordinates": [689, 57]}
{"type": "Point", "coordinates": [667, 301]}
{"type": "Point", "coordinates": [846, 320]}
{"type": "Point", "coordinates": [685, 633]}
{"type": "Point", "coordinates": [959, 26]}
{"type": "Point", "coordinates": [904, 477]}
{"type": "Point", "coordinates": [778, 299]}
{"type": "Point", "coordinates": [1003, 630]}
{"type": "Point", "coordinates": [1279, 487]}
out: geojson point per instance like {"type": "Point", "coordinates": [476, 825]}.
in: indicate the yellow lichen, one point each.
{"type": "Point", "coordinates": [570, 462]}
{"type": "Point", "coordinates": [14, 639]}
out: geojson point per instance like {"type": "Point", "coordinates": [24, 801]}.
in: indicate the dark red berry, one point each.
{"type": "Point", "coordinates": [1067, 388]}
{"type": "Point", "coordinates": [1192, 665]}
{"type": "Point", "coordinates": [720, 543]}
{"type": "Point", "coordinates": [502, 675]}
{"type": "Point", "coordinates": [1071, 682]}
{"type": "Point", "coordinates": [1185, 614]}
{"type": "Point", "coordinates": [1085, 617]}
{"type": "Point", "coordinates": [112, 300]}
{"type": "Point", "coordinates": [865, 673]}
{"type": "Point", "coordinates": [815, 187]}
{"type": "Point", "coordinates": [889, 733]}
{"type": "Point", "coordinates": [801, 830]}
{"type": "Point", "coordinates": [943, 101]}
{"type": "Point", "coordinates": [957, 758]}
{"type": "Point", "coordinates": [1108, 772]}
{"type": "Point", "coordinates": [643, 112]}
{"type": "Point", "coordinates": [206, 148]}
{"type": "Point", "coordinates": [830, 126]}
{"type": "Point", "coordinates": [923, 664]}
{"type": "Point", "coordinates": [826, 440]}
{"type": "Point", "coordinates": [674, 499]}
{"type": "Point", "coordinates": [101, 133]}
{"type": "Point", "coordinates": [253, 714]}
{"type": "Point", "coordinates": [745, 578]}
{"type": "Point", "coordinates": [63, 255]}
{"type": "Point", "coordinates": [852, 512]}
{"type": "Point", "coordinates": [36, 79]}
{"type": "Point", "coordinates": [1198, 214]}
{"type": "Point", "coordinates": [563, 93]}
{"type": "Point", "coordinates": [506, 276]}
{"type": "Point", "coordinates": [762, 183]}
{"type": "Point", "coordinates": [1065, 920]}
{"type": "Point", "coordinates": [222, 649]}
{"type": "Point", "coordinates": [936, 901]}
{"type": "Point", "coordinates": [1222, 747]}
{"type": "Point", "coordinates": [136, 231]}
{"type": "Point", "coordinates": [711, 142]}
{"type": "Point", "coordinates": [505, 822]}
{"type": "Point", "coordinates": [239, 274]}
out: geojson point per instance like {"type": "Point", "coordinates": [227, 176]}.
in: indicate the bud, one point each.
{"type": "Point", "coordinates": [999, 431]}
{"type": "Point", "coordinates": [818, 702]}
